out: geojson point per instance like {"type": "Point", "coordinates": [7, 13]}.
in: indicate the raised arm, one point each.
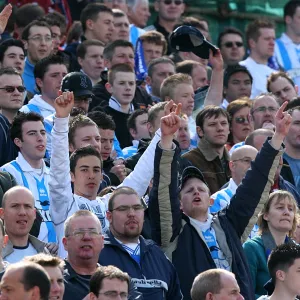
{"type": "Point", "coordinates": [254, 191]}
{"type": "Point", "coordinates": [164, 206]}
{"type": "Point", "coordinates": [215, 91]}
{"type": "Point", "coordinates": [60, 179]}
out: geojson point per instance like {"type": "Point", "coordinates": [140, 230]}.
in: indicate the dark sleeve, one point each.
{"type": "Point", "coordinates": [141, 98]}
{"type": "Point", "coordinates": [174, 292]}
{"type": "Point", "coordinates": [254, 190]}
{"type": "Point", "coordinates": [286, 172]}
{"type": "Point", "coordinates": [165, 222]}
{"type": "Point", "coordinates": [101, 96]}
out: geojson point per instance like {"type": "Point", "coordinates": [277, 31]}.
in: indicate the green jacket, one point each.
{"type": "Point", "coordinates": [257, 260]}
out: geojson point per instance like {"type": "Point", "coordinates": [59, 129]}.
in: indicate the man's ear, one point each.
{"type": "Point", "coordinates": [72, 176]}
{"type": "Point", "coordinates": [148, 80]}
{"type": "Point", "coordinates": [156, 6]}
{"type": "Point", "coordinates": [2, 213]}
{"type": "Point", "coordinates": [108, 86]}
{"type": "Point", "coordinates": [107, 63]}
{"type": "Point", "coordinates": [296, 88]}
{"type": "Point", "coordinates": [18, 142]}
{"type": "Point", "coordinates": [132, 132]}
{"type": "Point", "coordinates": [150, 128]}
{"type": "Point", "coordinates": [109, 216]}
{"type": "Point", "coordinates": [25, 44]}
{"type": "Point", "coordinates": [39, 82]}
{"type": "Point", "coordinates": [199, 131]}
{"type": "Point", "coordinates": [71, 148]}
{"type": "Point", "coordinates": [79, 59]}
{"type": "Point", "coordinates": [65, 243]}
{"type": "Point", "coordinates": [252, 43]}
{"type": "Point", "coordinates": [89, 24]}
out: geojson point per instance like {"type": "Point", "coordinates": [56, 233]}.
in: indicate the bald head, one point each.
{"type": "Point", "coordinates": [240, 162]}
{"type": "Point", "coordinates": [257, 138]}
{"type": "Point", "coordinates": [17, 192]}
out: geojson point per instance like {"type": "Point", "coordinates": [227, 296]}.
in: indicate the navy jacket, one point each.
{"type": "Point", "coordinates": [150, 277]}
{"type": "Point", "coordinates": [185, 246]}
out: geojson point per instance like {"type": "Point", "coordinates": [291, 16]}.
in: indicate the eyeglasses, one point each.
{"type": "Point", "coordinates": [83, 99]}
{"type": "Point", "coordinates": [79, 234]}
{"type": "Point", "coordinates": [246, 160]}
{"type": "Point", "coordinates": [127, 208]}
{"type": "Point", "coordinates": [176, 2]}
{"type": "Point", "coordinates": [11, 89]}
{"type": "Point", "coordinates": [263, 109]}
{"type": "Point", "coordinates": [40, 39]}
{"type": "Point", "coordinates": [242, 120]}
{"type": "Point", "coordinates": [114, 295]}
{"type": "Point", "coordinates": [230, 44]}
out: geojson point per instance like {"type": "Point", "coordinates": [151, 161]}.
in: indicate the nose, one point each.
{"type": "Point", "coordinates": [55, 288]}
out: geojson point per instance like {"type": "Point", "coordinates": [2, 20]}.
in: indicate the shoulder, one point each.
{"type": "Point", "coordinates": [253, 243]}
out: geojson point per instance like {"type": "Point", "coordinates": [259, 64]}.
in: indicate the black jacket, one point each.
{"type": "Point", "coordinates": [183, 242]}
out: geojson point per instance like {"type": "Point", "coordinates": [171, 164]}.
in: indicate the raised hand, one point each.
{"type": "Point", "coordinates": [283, 122]}
{"type": "Point", "coordinates": [63, 104]}
{"type": "Point", "coordinates": [170, 107]}
{"type": "Point", "coordinates": [4, 16]}
{"type": "Point", "coordinates": [216, 60]}
{"type": "Point", "coordinates": [170, 124]}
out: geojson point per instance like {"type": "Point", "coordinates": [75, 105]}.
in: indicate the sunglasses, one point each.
{"type": "Point", "coordinates": [176, 2]}
{"type": "Point", "coordinates": [11, 89]}
{"type": "Point", "coordinates": [230, 44]}
{"type": "Point", "coordinates": [242, 120]}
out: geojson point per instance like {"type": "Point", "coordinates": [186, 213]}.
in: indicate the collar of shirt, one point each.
{"type": "Point", "coordinates": [115, 104]}
{"type": "Point", "coordinates": [26, 167]}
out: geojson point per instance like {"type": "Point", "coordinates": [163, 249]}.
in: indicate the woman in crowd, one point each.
{"type": "Point", "coordinates": [277, 224]}
{"type": "Point", "coordinates": [240, 123]}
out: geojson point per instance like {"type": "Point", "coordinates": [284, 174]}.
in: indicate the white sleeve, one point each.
{"type": "Point", "coordinates": [139, 179]}
{"type": "Point", "coordinates": [60, 180]}
{"type": "Point", "coordinates": [24, 109]}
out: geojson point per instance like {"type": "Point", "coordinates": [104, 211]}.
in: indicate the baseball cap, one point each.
{"type": "Point", "coordinates": [78, 83]}
{"type": "Point", "coordinates": [191, 172]}
{"type": "Point", "coordinates": [189, 39]}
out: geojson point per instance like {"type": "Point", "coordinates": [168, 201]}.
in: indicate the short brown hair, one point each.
{"type": "Point", "coordinates": [154, 111]}
{"type": "Point", "coordinates": [124, 190]}
{"type": "Point", "coordinates": [275, 75]}
{"type": "Point", "coordinates": [82, 47]}
{"type": "Point", "coordinates": [207, 282]}
{"type": "Point", "coordinates": [253, 29]}
{"type": "Point", "coordinates": [187, 66]}
{"type": "Point", "coordinates": [116, 69]}
{"type": "Point", "coordinates": [156, 38]}
{"type": "Point", "coordinates": [168, 86]}
{"type": "Point", "coordinates": [78, 122]}
{"type": "Point", "coordinates": [210, 111]}
{"type": "Point", "coordinates": [109, 272]}
{"type": "Point", "coordinates": [276, 197]}
{"type": "Point", "coordinates": [46, 260]}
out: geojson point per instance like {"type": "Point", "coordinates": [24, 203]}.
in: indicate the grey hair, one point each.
{"type": "Point", "coordinates": [133, 3]}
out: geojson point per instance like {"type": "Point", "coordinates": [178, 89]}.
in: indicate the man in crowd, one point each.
{"type": "Point", "coordinates": [118, 52]}
{"type": "Point", "coordinates": [83, 242]}
{"type": "Point", "coordinates": [90, 58]}
{"type": "Point", "coordinates": [237, 84]}
{"type": "Point", "coordinates": [209, 241]}
{"type": "Point", "coordinates": [117, 4]}
{"type": "Point", "coordinates": [11, 100]}
{"type": "Point", "coordinates": [25, 280]}
{"type": "Point", "coordinates": [38, 41]}
{"type": "Point", "coordinates": [97, 23]}
{"type": "Point", "coordinates": [18, 213]}
{"type": "Point", "coordinates": [48, 74]}
{"type": "Point", "coordinates": [169, 13]}
{"type": "Point", "coordinates": [263, 111]}
{"type": "Point", "coordinates": [282, 87]}
{"type": "Point", "coordinates": [121, 23]}
{"type": "Point", "coordinates": [138, 14]}
{"type": "Point", "coordinates": [231, 44]}
{"type": "Point", "coordinates": [283, 265]}
{"type": "Point", "coordinates": [158, 70]}
{"type": "Point", "coordinates": [240, 162]}
{"type": "Point", "coordinates": [287, 46]}
{"type": "Point", "coordinates": [12, 54]}
{"type": "Point", "coordinates": [216, 283]}
{"type": "Point", "coordinates": [109, 281]}
{"type": "Point", "coordinates": [211, 156]}
{"type": "Point", "coordinates": [260, 36]}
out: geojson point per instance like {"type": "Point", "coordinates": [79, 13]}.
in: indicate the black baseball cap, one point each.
{"type": "Point", "coordinates": [78, 83]}
{"type": "Point", "coordinates": [189, 39]}
{"type": "Point", "coordinates": [191, 172]}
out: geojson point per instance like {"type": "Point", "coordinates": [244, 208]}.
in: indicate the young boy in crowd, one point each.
{"type": "Point", "coordinates": [179, 88]}
{"type": "Point", "coordinates": [121, 85]}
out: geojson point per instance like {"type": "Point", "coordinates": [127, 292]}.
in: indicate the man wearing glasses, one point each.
{"type": "Point", "coordinates": [38, 41]}
{"type": "Point", "coordinates": [231, 44]}
{"type": "Point", "coordinates": [169, 13]}
{"type": "Point", "coordinates": [263, 111]}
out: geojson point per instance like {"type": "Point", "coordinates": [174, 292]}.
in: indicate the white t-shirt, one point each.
{"type": "Point", "coordinates": [260, 73]}
{"type": "Point", "coordinates": [212, 243]}
{"type": "Point", "coordinates": [19, 253]}
{"type": "Point", "coordinates": [133, 250]}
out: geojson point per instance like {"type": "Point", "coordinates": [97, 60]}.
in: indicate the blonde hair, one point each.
{"type": "Point", "coordinates": [277, 197]}
{"type": "Point", "coordinates": [168, 86]}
